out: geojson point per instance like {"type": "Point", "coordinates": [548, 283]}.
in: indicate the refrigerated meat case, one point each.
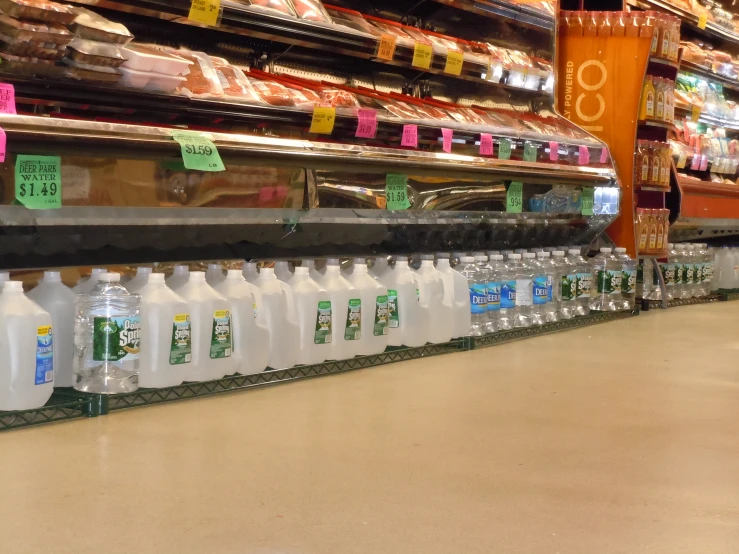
{"type": "Point", "coordinates": [127, 198]}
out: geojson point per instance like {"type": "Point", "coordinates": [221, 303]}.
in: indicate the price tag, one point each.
{"type": "Point", "coordinates": [396, 192]}
{"type": "Point", "coordinates": [604, 155]}
{"type": "Point", "coordinates": [682, 160]}
{"type": "Point", "coordinates": [553, 151]}
{"type": "Point", "coordinates": [704, 163]}
{"type": "Point", "coordinates": [695, 163]}
{"type": "Point", "coordinates": [702, 21]}
{"type": "Point", "coordinates": [422, 55]}
{"type": "Point", "coordinates": [323, 120]}
{"type": "Point", "coordinates": [514, 198]}
{"type": "Point", "coordinates": [583, 156]}
{"type": "Point", "coordinates": [447, 135]}
{"type": "Point", "coordinates": [504, 149]}
{"type": "Point", "coordinates": [529, 152]}
{"type": "Point", "coordinates": [587, 197]}
{"type": "Point", "coordinates": [199, 152]}
{"type": "Point", "coordinates": [38, 181]}
{"type": "Point", "coordinates": [486, 144]}
{"type": "Point", "coordinates": [7, 98]}
{"type": "Point", "coordinates": [3, 142]}
{"type": "Point", "coordinates": [695, 113]}
{"type": "Point", "coordinates": [205, 11]}
{"type": "Point", "coordinates": [410, 136]}
{"type": "Point", "coordinates": [386, 47]}
{"type": "Point", "coordinates": [454, 61]}
{"type": "Point", "coordinates": [367, 123]}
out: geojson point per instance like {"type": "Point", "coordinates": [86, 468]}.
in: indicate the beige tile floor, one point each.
{"type": "Point", "coordinates": [618, 438]}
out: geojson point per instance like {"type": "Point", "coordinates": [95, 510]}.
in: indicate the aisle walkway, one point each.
{"type": "Point", "coordinates": [619, 438]}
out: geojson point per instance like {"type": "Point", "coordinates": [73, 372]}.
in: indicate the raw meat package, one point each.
{"type": "Point", "coordinates": [24, 48]}
{"type": "Point", "coordinates": [202, 79]}
{"type": "Point", "coordinates": [271, 92]}
{"type": "Point", "coordinates": [150, 80]}
{"type": "Point", "coordinates": [352, 20]}
{"type": "Point", "coordinates": [142, 58]}
{"type": "Point", "coordinates": [280, 6]}
{"type": "Point", "coordinates": [339, 98]}
{"type": "Point", "coordinates": [91, 73]}
{"type": "Point", "coordinates": [35, 32]}
{"type": "Point", "coordinates": [93, 26]}
{"type": "Point", "coordinates": [37, 10]}
{"type": "Point", "coordinates": [234, 82]}
{"type": "Point", "coordinates": [95, 53]}
{"type": "Point", "coordinates": [23, 65]}
{"type": "Point", "coordinates": [311, 10]}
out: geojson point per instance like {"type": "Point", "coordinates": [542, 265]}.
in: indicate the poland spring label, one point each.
{"type": "Point", "coordinates": [180, 349]}
{"type": "Point", "coordinates": [569, 286]}
{"type": "Point", "coordinates": [584, 284]}
{"type": "Point", "coordinates": [353, 329]}
{"type": "Point", "coordinates": [668, 273]}
{"type": "Point", "coordinates": [628, 281]}
{"type": "Point", "coordinates": [381, 312]}
{"type": "Point", "coordinates": [116, 339]}
{"type": "Point", "coordinates": [323, 323]}
{"type": "Point", "coordinates": [44, 355]}
{"type": "Point", "coordinates": [220, 339]}
{"type": "Point", "coordinates": [392, 309]}
{"type": "Point", "coordinates": [608, 282]}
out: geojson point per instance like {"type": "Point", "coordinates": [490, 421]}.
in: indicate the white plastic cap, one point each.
{"type": "Point", "coordinates": [215, 266]}
{"type": "Point", "coordinates": [620, 250]}
{"type": "Point", "coordinates": [573, 251]}
{"type": "Point", "coordinates": [514, 256]}
{"type": "Point", "coordinates": [302, 270]}
{"type": "Point", "coordinates": [497, 257]}
{"type": "Point", "coordinates": [360, 261]}
{"type": "Point", "coordinates": [4, 276]}
{"type": "Point", "coordinates": [332, 261]}
{"type": "Point", "coordinates": [53, 276]}
{"type": "Point", "coordinates": [481, 258]}
{"type": "Point", "coordinates": [543, 254]}
{"type": "Point", "coordinates": [670, 245]}
{"type": "Point", "coordinates": [558, 254]}
{"type": "Point", "coordinates": [267, 271]}
{"type": "Point", "coordinates": [529, 255]}
{"type": "Point", "coordinates": [467, 260]}
{"type": "Point", "coordinates": [13, 286]}
{"type": "Point", "coordinates": [144, 270]}
{"type": "Point", "coordinates": [606, 250]}
{"type": "Point", "coordinates": [98, 271]}
{"type": "Point", "coordinates": [427, 257]}
{"type": "Point", "coordinates": [680, 247]}
{"type": "Point", "coordinates": [197, 276]}
{"type": "Point", "coordinates": [442, 255]}
{"type": "Point", "coordinates": [156, 278]}
{"type": "Point", "coordinates": [110, 277]}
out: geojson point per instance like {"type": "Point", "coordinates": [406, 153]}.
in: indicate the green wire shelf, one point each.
{"type": "Point", "coordinates": [675, 302]}
{"type": "Point", "coordinates": [728, 294]}
{"type": "Point", "coordinates": [61, 406]}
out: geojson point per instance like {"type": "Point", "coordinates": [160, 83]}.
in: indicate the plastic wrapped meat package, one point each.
{"type": "Point", "coordinates": [311, 10]}
{"type": "Point", "coordinates": [339, 98]}
{"type": "Point", "coordinates": [391, 28]}
{"type": "Point", "coordinates": [202, 79]}
{"type": "Point", "coordinates": [352, 20]}
{"type": "Point", "coordinates": [235, 84]}
{"type": "Point", "coordinates": [38, 10]}
{"type": "Point", "coordinates": [26, 42]}
{"type": "Point", "coordinates": [93, 26]}
{"type": "Point", "coordinates": [24, 65]}
{"type": "Point", "coordinates": [92, 52]}
{"type": "Point", "coordinates": [271, 93]}
{"type": "Point", "coordinates": [140, 57]}
{"type": "Point", "coordinates": [281, 7]}
{"type": "Point", "coordinates": [91, 73]}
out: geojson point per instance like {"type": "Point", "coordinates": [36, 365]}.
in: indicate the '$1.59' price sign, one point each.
{"type": "Point", "coordinates": [38, 181]}
{"type": "Point", "coordinates": [199, 152]}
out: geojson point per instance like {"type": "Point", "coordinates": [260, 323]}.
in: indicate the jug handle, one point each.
{"type": "Point", "coordinates": [292, 311]}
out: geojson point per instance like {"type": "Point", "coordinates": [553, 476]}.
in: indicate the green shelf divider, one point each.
{"type": "Point", "coordinates": [63, 405]}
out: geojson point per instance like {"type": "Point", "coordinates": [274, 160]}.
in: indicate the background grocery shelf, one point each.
{"type": "Point", "coordinates": [520, 14]}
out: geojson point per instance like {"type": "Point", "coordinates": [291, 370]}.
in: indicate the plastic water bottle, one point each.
{"type": "Point", "coordinates": [539, 290]}
{"type": "Point", "coordinates": [141, 278]}
{"type": "Point", "coordinates": [315, 317]}
{"type": "Point", "coordinates": [708, 268]}
{"type": "Point", "coordinates": [692, 254]}
{"type": "Point", "coordinates": [669, 270]}
{"type": "Point", "coordinates": [565, 288]}
{"type": "Point", "coordinates": [278, 304]}
{"type": "Point", "coordinates": [347, 308]}
{"type": "Point", "coordinates": [584, 283]}
{"type": "Point", "coordinates": [486, 277]}
{"type": "Point", "coordinates": [551, 270]}
{"type": "Point", "coordinates": [282, 270]}
{"type": "Point", "coordinates": [107, 338]}
{"type": "Point", "coordinates": [478, 295]}
{"type": "Point", "coordinates": [497, 268]}
{"type": "Point", "coordinates": [683, 272]}
{"type": "Point", "coordinates": [522, 291]}
{"type": "Point", "coordinates": [507, 280]}
{"type": "Point", "coordinates": [628, 279]}
{"type": "Point", "coordinates": [607, 271]}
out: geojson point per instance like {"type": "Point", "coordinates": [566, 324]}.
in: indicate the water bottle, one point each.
{"type": "Point", "coordinates": [486, 276]}
{"type": "Point", "coordinates": [584, 280]}
{"type": "Point", "coordinates": [478, 296]}
{"type": "Point", "coordinates": [107, 338]}
{"type": "Point", "coordinates": [520, 290]}
{"type": "Point", "coordinates": [604, 273]}
{"type": "Point", "coordinates": [507, 280]}
{"type": "Point", "coordinates": [539, 290]}
{"type": "Point", "coordinates": [565, 288]}
{"type": "Point", "coordinates": [551, 270]}
{"type": "Point", "coordinates": [669, 272]}
{"type": "Point", "coordinates": [683, 272]}
{"type": "Point", "coordinates": [494, 285]}
{"type": "Point", "coordinates": [708, 264]}
{"type": "Point", "coordinates": [628, 279]}
{"type": "Point", "coordinates": [696, 264]}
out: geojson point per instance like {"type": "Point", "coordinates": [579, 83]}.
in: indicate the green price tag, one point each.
{"type": "Point", "coordinates": [396, 192]}
{"type": "Point", "coordinates": [529, 152]}
{"type": "Point", "coordinates": [199, 152]}
{"type": "Point", "coordinates": [504, 149]}
{"type": "Point", "coordinates": [38, 181]}
{"type": "Point", "coordinates": [587, 197]}
{"type": "Point", "coordinates": [514, 198]}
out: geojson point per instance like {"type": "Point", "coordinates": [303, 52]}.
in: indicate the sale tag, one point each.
{"type": "Point", "coordinates": [205, 11]}
{"type": "Point", "coordinates": [682, 160]}
{"type": "Point", "coordinates": [583, 156]}
{"type": "Point", "coordinates": [454, 61]}
{"type": "Point", "coordinates": [587, 197]}
{"type": "Point", "coordinates": [529, 152]}
{"type": "Point", "coordinates": [504, 149]}
{"type": "Point", "coordinates": [38, 181]}
{"type": "Point", "coordinates": [447, 135]}
{"type": "Point", "coordinates": [386, 47]}
{"type": "Point", "coordinates": [422, 55]}
{"type": "Point", "coordinates": [7, 98]}
{"type": "Point", "coordinates": [604, 155]}
{"type": "Point", "coordinates": [410, 136]}
{"type": "Point", "coordinates": [396, 192]}
{"type": "Point", "coordinates": [323, 120]}
{"type": "Point", "coordinates": [704, 163]}
{"type": "Point", "coordinates": [3, 142]}
{"type": "Point", "coordinates": [367, 123]}
{"type": "Point", "coordinates": [199, 152]}
{"type": "Point", "coordinates": [514, 198]}
{"type": "Point", "coordinates": [703, 21]}
{"type": "Point", "coordinates": [486, 144]}
{"type": "Point", "coordinates": [695, 113]}
{"type": "Point", "coordinates": [695, 163]}
{"type": "Point", "coordinates": [553, 151]}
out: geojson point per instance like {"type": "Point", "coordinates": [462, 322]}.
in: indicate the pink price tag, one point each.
{"type": "Point", "coordinates": [704, 163]}
{"type": "Point", "coordinates": [410, 136]}
{"type": "Point", "coordinates": [447, 144]}
{"type": "Point", "coordinates": [604, 155]}
{"type": "Point", "coordinates": [583, 156]}
{"type": "Point", "coordinates": [553, 151]}
{"type": "Point", "coordinates": [696, 162]}
{"type": "Point", "coordinates": [7, 98]}
{"type": "Point", "coordinates": [367, 124]}
{"type": "Point", "coordinates": [2, 145]}
{"type": "Point", "coordinates": [486, 144]}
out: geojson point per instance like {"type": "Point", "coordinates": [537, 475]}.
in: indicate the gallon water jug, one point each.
{"type": "Point", "coordinates": [250, 332]}
{"type": "Point", "coordinates": [455, 287]}
{"type": "Point", "coordinates": [166, 335]}
{"type": "Point", "coordinates": [215, 275]}
{"type": "Point", "coordinates": [212, 333]}
{"type": "Point", "coordinates": [141, 278]}
{"type": "Point", "coordinates": [180, 275]}
{"type": "Point", "coordinates": [380, 268]}
{"type": "Point", "coordinates": [314, 273]}
{"type": "Point", "coordinates": [374, 320]}
{"type": "Point", "coordinates": [282, 319]}
{"type": "Point", "coordinates": [58, 301]}
{"type": "Point", "coordinates": [4, 276]}
{"type": "Point", "coordinates": [315, 317]}
{"type": "Point", "coordinates": [433, 299]}
{"type": "Point", "coordinates": [86, 284]}
{"type": "Point", "coordinates": [282, 270]}
{"type": "Point", "coordinates": [26, 351]}
{"type": "Point", "coordinates": [250, 270]}
{"type": "Point", "coordinates": [413, 318]}
{"type": "Point", "coordinates": [347, 308]}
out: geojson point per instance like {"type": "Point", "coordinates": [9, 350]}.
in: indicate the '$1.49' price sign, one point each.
{"type": "Point", "coordinates": [199, 152]}
{"type": "Point", "coordinates": [38, 181]}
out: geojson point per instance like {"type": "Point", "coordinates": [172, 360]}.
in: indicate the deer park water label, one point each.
{"type": "Point", "coordinates": [324, 118]}
{"type": "Point", "coordinates": [529, 152]}
{"type": "Point", "coordinates": [38, 181]}
{"type": "Point", "coordinates": [367, 123]}
{"type": "Point", "coordinates": [205, 11]}
{"type": "Point", "coordinates": [583, 155]}
{"type": "Point", "coordinates": [386, 47]}
{"type": "Point", "coordinates": [198, 152]}
{"type": "Point", "coordinates": [447, 135]}
{"type": "Point", "coordinates": [553, 151]}
{"type": "Point", "coordinates": [410, 136]}
{"type": "Point", "coordinates": [486, 144]}
{"type": "Point", "coordinates": [514, 198]}
{"type": "Point", "coordinates": [7, 98]}
{"type": "Point", "coordinates": [422, 55]}
{"type": "Point", "coordinates": [587, 199]}
{"type": "Point", "coordinates": [454, 62]}
{"type": "Point", "coordinates": [504, 149]}
{"type": "Point", "coordinates": [396, 192]}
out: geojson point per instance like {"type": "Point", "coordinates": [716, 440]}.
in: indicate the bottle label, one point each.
{"type": "Point", "coordinates": [392, 309]}
{"type": "Point", "coordinates": [180, 348]}
{"type": "Point", "coordinates": [604, 282]}
{"type": "Point", "coordinates": [44, 355]}
{"type": "Point", "coordinates": [569, 287]}
{"type": "Point", "coordinates": [493, 297]}
{"type": "Point", "coordinates": [688, 274]}
{"type": "Point", "coordinates": [628, 281]}
{"type": "Point", "coordinates": [616, 281]}
{"type": "Point", "coordinates": [381, 316]}
{"type": "Point", "coordinates": [353, 329]}
{"type": "Point", "coordinates": [220, 339]}
{"type": "Point", "coordinates": [550, 286]}
{"type": "Point", "coordinates": [645, 169]}
{"type": "Point", "coordinates": [653, 239]}
{"type": "Point", "coordinates": [668, 274]}
{"type": "Point", "coordinates": [524, 290]}
{"type": "Point", "coordinates": [323, 323]}
{"type": "Point", "coordinates": [584, 284]}
{"type": "Point", "coordinates": [541, 290]}
{"type": "Point", "coordinates": [643, 238]}
{"type": "Point", "coordinates": [708, 272]}
{"type": "Point", "coordinates": [478, 298]}
{"type": "Point", "coordinates": [650, 104]}
{"type": "Point", "coordinates": [655, 43]}
{"type": "Point", "coordinates": [254, 309]}
{"type": "Point", "coordinates": [655, 171]}
{"type": "Point", "coordinates": [660, 105]}
{"type": "Point", "coordinates": [116, 339]}
{"type": "Point", "coordinates": [508, 295]}
{"type": "Point", "coordinates": [698, 273]}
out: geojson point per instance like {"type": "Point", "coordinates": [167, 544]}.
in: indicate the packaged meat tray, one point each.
{"type": "Point", "coordinates": [282, 7]}
{"type": "Point", "coordinates": [142, 58]}
{"type": "Point", "coordinates": [24, 65]}
{"type": "Point", "coordinates": [24, 48]}
{"type": "Point", "coordinates": [234, 82]}
{"type": "Point", "coordinates": [38, 10]}
{"type": "Point", "coordinates": [92, 52]}
{"type": "Point", "coordinates": [272, 93]}
{"type": "Point", "coordinates": [93, 26]}
{"type": "Point", "coordinates": [35, 32]}
{"type": "Point", "coordinates": [93, 76]}
{"type": "Point", "coordinates": [202, 79]}
{"type": "Point", "coordinates": [352, 20]}
{"type": "Point", "coordinates": [150, 80]}
{"type": "Point", "coordinates": [311, 10]}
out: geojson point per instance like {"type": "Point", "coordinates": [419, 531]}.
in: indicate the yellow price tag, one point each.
{"type": "Point", "coordinates": [422, 55]}
{"type": "Point", "coordinates": [702, 21]}
{"type": "Point", "coordinates": [386, 47]}
{"type": "Point", "coordinates": [323, 120]}
{"type": "Point", "coordinates": [454, 61]}
{"type": "Point", "coordinates": [205, 11]}
{"type": "Point", "coordinates": [695, 113]}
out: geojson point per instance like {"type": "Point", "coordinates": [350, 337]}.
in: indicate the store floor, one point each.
{"type": "Point", "coordinates": [622, 437]}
